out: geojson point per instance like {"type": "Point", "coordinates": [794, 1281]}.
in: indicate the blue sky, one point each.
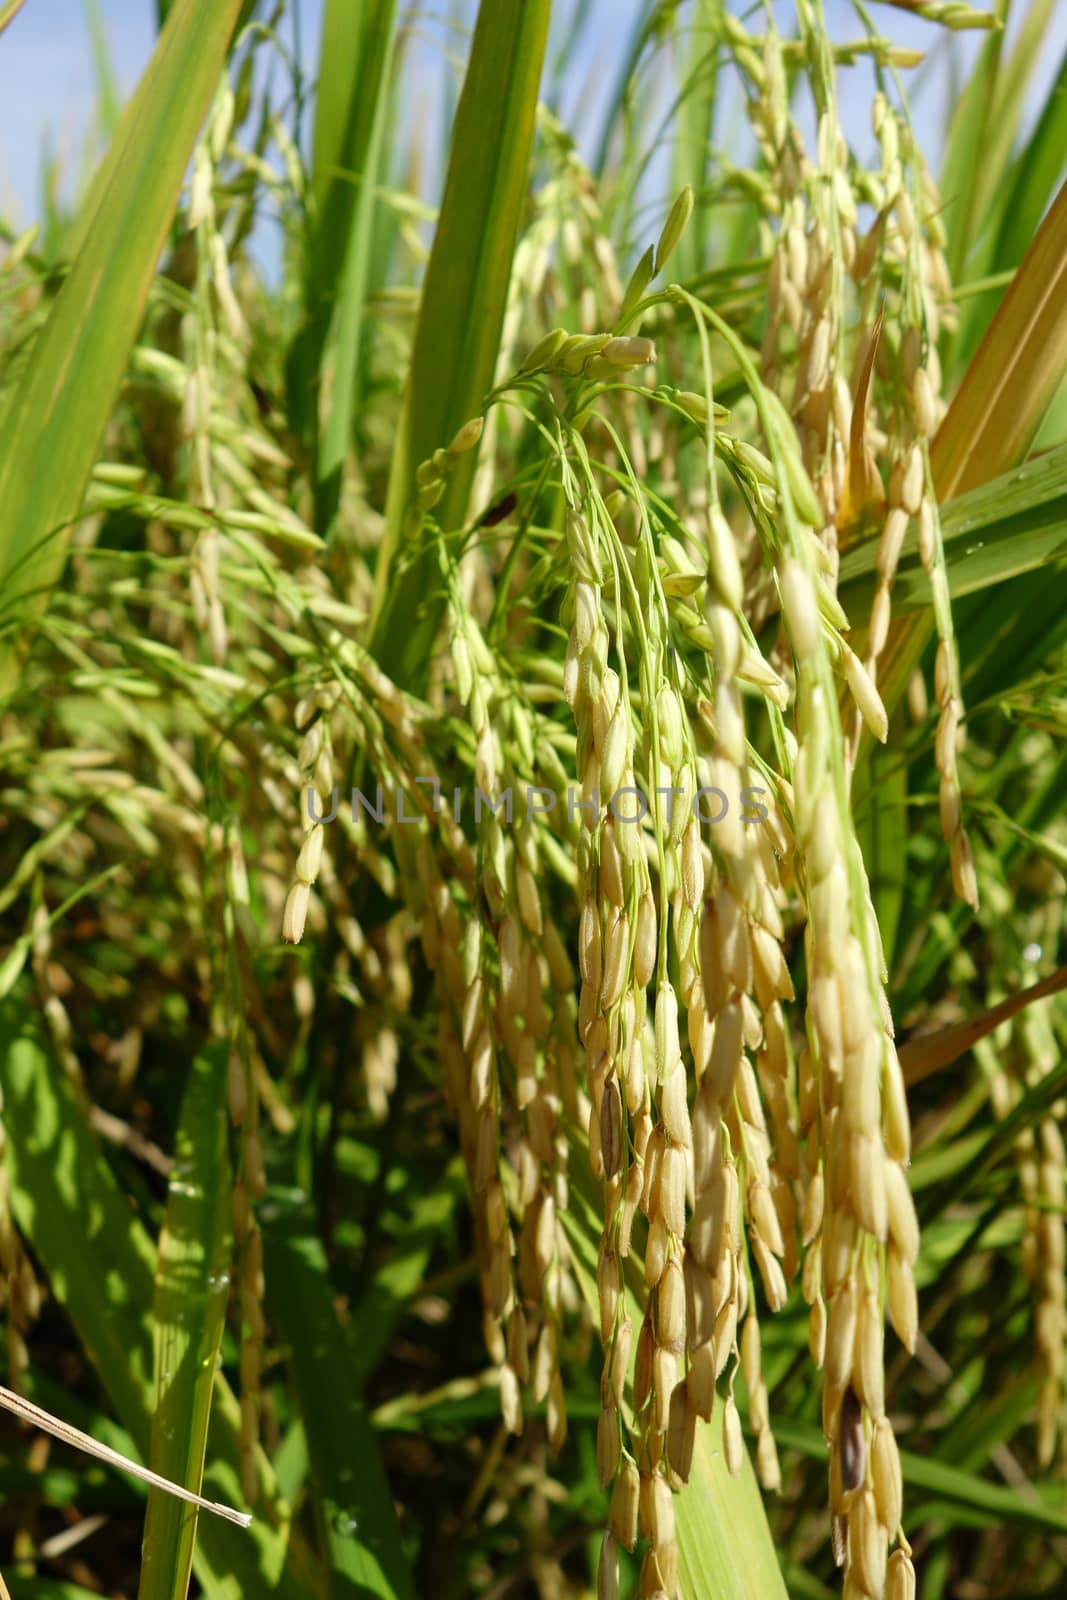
{"type": "Point", "coordinates": [47, 84]}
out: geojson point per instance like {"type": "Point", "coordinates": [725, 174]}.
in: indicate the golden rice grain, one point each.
{"type": "Point", "coordinates": [623, 1511]}
{"type": "Point", "coordinates": [733, 1447]}
{"type": "Point", "coordinates": [900, 1579]}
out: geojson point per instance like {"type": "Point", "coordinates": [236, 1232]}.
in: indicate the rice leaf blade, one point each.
{"type": "Point", "coordinates": [461, 313]}
{"type": "Point", "coordinates": [355, 276]}
{"type": "Point", "coordinates": [354, 1508]}
{"type": "Point", "coordinates": [960, 184]}
{"type": "Point", "coordinates": [1017, 369]}
{"type": "Point", "coordinates": [107, 96]}
{"type": "Point", "coordinates": [188, 1315]}
{"type": "Point", "coordinates": [60, 407]}
{"type": "Point", "coordinates": [355, 63]}
{"type": "Point", "coordinates": [1000, 530]}
{"type": "Point", "coordinates": [990, 116]}
{"type": "Point", "coordinates": [693, 148]}
{"type": "Point", "coordinates": [1029, 185]}
{"type": "Point", "coordinates": [399, 1276]}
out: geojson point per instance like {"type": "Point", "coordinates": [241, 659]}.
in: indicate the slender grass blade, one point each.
{"type": "Point", "coordinates": [462, 311]}
{"type": "Point", "coordinates": [188, 1313]}
{"type": "Point", "coordinates": [58, 411]}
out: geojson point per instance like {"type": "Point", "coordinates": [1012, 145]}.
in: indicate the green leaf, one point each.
{"type": "Point", "coordinates": [1006, 634]}
{"type": "Point", "coordinates": [353, 1504]}
{"type": "Point", "coordinates": [188, 1315]}
{"type": "Point", "coordinates": [1002, 1139]}
{"type": "Point", "coordinates": [979, 1429]}
{"type": "Point", "coordinates": [400, 1275]}
{"type": "Point", "coordinates": [350, 112]}
{"type": "Point", "coordinates": [58, 410]}
{"type": "Point", "coordinates": [462, 311]}
{"type": "Point", "coordinates": [101, 1265]}
{"type": "Point", "coordinates": [988, 116]}
{"type": "Point", "coordinates": [724, 1541]}
{"type": "Point", "coordinates": [1012, 103]}
{"type": "Point", "coordinates": [1032, 180]}
{"type": "Point", "coordinates": [1014, 524]}
{"type": "Point", "coordinates": [693, 148]}
{"type": "Point", "coordinates": [959, 178]}
{"type": "Point", "coordinates": [804, 1585]}
{"type": "Point", "coordinates": [107, 98]}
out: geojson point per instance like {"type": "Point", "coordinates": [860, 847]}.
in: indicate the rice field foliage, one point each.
{"type": "Point", "coordinates": [532, 860]}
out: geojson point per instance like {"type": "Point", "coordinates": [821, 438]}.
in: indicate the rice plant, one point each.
{"type": "Point", "coordinates": [532, 708]}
